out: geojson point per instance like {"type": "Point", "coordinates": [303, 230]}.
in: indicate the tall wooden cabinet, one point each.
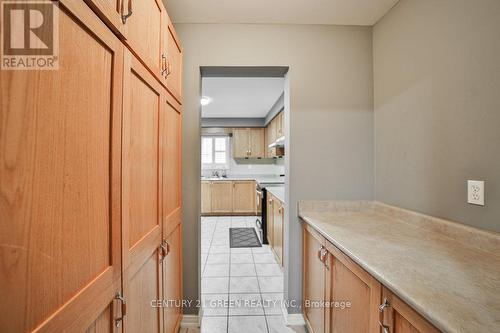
{"type": "Point", "coordinates": [90, 168]}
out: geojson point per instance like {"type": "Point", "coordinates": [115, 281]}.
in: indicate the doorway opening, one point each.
{"type": "Point", "coordinates": [243, 149]}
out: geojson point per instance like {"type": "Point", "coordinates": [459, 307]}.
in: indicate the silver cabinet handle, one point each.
{"type": "Point", "coordinates": [385, 304]}
{"type": "Point", "coordinates": [120, 298]}
{"type": "Point", "coordinates": [126, 16]}
{"type": "Point", "coordinates": [385, 328]}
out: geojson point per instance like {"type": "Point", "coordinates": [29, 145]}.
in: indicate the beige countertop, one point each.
{"type": "Point", "coordinates": [278, 192]}
{"type": "Point", "coordinates": [447, 272]}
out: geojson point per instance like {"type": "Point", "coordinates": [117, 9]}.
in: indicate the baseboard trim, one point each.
{"type": "Point", "coordinates": [292, 319]}
{"type": "Point", "coordinates": [190, 321]}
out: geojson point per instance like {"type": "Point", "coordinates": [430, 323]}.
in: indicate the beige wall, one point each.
{"type": "Point", "coordinates": [329, 119]}
{"type": "Point", "coordinates": [437, 107]}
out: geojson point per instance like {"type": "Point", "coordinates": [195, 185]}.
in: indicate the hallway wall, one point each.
{"type": "Point", "coordinates": [330, 117]}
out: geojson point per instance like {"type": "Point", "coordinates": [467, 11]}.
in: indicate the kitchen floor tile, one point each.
{"type": "Point", "coordinates": [222, 258]}
{"type": "Point", "coordinates": [214, 325]}
{"type": "Point", "coordinates": [216, 270]}
{"type": "Point", "coordinates": [243, 270]}
{"type": "Point", "coordinates": [246, 250]}
{"type": "Point", "coordinates": [241, 258]}
{"type": "Point", "coordinates": [268, 270]}
{"type": "Point", "coordinates": [215, 285]}
{"type": "Point", "coordinates": [215, 304]}
{"type": "Point", "coordinates": [276, 324]}
{"type": "Point", "coordinates": [271, 284]}
{"type": "Point", "coordinates": [272, 303]}
{"type": "Point", "coordinates": [247, 324]}
{"type": "Point", "coordinates": [245, 304]}
{"type": "Point", "coordinates": [243, 285]}
{"type": "Point", "coordinates": [218, 249]}
{"type": "Point", "coordinates": [264, 258]}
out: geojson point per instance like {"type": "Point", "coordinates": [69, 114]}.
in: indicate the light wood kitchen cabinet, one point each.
{"type": "Point", "coordinates": [398, 317]}
{"type": "Point", "coordinates": [346, 281]}
{"type": "Point", "coordinates": [278, 222]}
{"type": "Point", "coordinates": [206, 197]}
{"type": "Point", "coordinates": [243, 196]}
{"type": "Point", "coordinates": [314, 280]}
{"type": "Point", "coordinates": [279, 124]}
{"type": "Point", "coordinates": [97, 143]}
{"type": "Point", "coordinates": [60, 168]}
{"type": "Point", "coordinates": [241, 143]}
{"type": "Point", "coordinates": [270, 138]}
{"type": "Point", "coordinates": [172, 280]}
{"type": "Point", "coordinates": [270, 219]}
{"type": "Point", "coordinates": [331, 276]}
{"type": "Point", "coordinates": [141, 217]}
{"type": "Point", "coordinates": [172, 59]}
{"type": "Point", "coordinates": [248, 143]}
{"type": "Point", "coordinates": [146, 43]}
{"type": "Point", "coordinates": [222, 197]}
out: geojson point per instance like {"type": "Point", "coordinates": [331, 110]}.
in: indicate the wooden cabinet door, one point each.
{"type": "Point", "coordinates": [60, 182]}
{"type": "Point", "coordinates": [241, 143]}
{"type": "Point", "coordinates": [270, 218]}
{"type": "Point", "coordinates": [314, 280]}
{"type": "Point", "coordinates": [206, 197]}
{"type": "Point", "coordinates": [110, 11]}
{"type": "Point", "coordinates": [398, 317]}
{"type": "Point", "coordinates": [174, 62]}
{"type": "Point", "coordinates": [271, 138]}
{"type": "Point", "coordinates": [171, 162]}
{"type": "Point", "coordinates": [222, 197]}
{"type": "Point", "coordinates": [142, 104]}
{"type": "Point", "coordinates": [256, 142]}
{"type": "Point", "coordinates": [278, 220]}
{"type": "Point", "coordinates": [144, 32]}
{"type": "Point", "coordinates": [346, 281]}
{"type": "Point", "coordinates": [279, 125]}
{"type": "Point", "coordinates": [244, 197]}
{"type": "Point", "coordinates": [172, 281]}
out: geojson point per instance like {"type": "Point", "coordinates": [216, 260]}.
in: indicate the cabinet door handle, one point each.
{"type": "Point", "coordinates": [126, 16]}
{"type": "Point", "coordinates": [385, 304]}
{"type": "Point", "coordinates": [320, 253]}
{"type": "Point", "coordinates": [163, 65]}
{"type": "Point", "coordinates": [385, 328]}
{"type": "Point", "coordinates": [120, 298]}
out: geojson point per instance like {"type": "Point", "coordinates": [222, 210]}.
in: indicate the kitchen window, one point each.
{"type": "Point", "coordinates": [215, 152]}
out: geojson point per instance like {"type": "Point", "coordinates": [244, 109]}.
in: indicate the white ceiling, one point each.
{"type": "Point", "coordinates": [236, 97]}
{"type": "Point", "coordinates": [343, 12]}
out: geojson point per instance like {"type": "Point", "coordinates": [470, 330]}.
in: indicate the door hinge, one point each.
{"type": "Point", "coordinates": [123, 303]}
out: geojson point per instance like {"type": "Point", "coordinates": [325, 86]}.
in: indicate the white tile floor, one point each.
{"type": "Point", "coordinates": [241, 288]}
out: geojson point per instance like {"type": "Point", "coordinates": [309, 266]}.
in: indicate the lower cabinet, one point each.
{"type": "Point", "coordinates": [398, 317]}
{"type": "Point", "coordinates": [270, 219]}
{"type": "Point", "coordinates": [172, 283]}
{"type": "Point", "coordinates": [222, 197]}
{"type": "Point", "coordinates": [278, 221]}
{"type": "Point", "coordinates": [341, 297]}
{"type": "Point", "coordinates": [228, 197]}
{"type": "Point", "coordinates": [243, 197]}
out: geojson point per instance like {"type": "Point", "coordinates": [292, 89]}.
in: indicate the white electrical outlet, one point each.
{"type": "Point", "coordinates": [475, 192]}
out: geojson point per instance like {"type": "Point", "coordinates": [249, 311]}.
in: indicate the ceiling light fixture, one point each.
{"type": "Point", "coordinates": [205, 100]}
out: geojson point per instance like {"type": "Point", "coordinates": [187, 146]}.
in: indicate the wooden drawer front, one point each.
{"type": "Point", "coordinates": [60, 181]}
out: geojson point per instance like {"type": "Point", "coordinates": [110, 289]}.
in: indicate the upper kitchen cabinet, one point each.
{"type": "Point", "coordinates": [112, 12]}
{"type": "Point", "coordinates": [145, 43]}
{"type": "Point", "coordinates": [171, 59]}
{"type": "Point", "coordinates": [275, 136]}
{"type": "Point", "coordinates": [248, 143]}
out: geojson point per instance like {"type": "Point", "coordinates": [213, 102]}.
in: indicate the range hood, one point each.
{"type": "Point", "coordinates": [280, 142]}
